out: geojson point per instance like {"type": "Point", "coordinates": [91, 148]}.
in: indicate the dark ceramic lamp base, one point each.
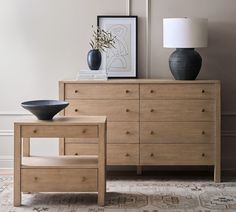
{"type": "Point", "coordinates": [185, 64]}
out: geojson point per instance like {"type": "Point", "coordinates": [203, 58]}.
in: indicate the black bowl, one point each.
{"type": "Point", "coordinates": [44, 109]}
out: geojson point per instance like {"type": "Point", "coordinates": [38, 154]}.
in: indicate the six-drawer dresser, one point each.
{"type": "Point", "coordinates": [149, 122]}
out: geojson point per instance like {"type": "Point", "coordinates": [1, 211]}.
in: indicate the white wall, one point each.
{"type": "Point", "coordinates": [44, 41]}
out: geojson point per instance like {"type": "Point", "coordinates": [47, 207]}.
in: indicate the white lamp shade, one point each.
{"type": "Point", "coordinates": [185, 32]}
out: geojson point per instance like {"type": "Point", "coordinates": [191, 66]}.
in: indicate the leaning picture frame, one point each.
{"type": "Point", "coordinates": [121, 61]}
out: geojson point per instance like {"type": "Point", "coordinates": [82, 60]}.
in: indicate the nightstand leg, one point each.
{"type": "Point", "coordinates": [17, 164]}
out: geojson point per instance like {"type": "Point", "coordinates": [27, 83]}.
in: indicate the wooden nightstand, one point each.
{"type": "Point", "coordinates": [80, 173]}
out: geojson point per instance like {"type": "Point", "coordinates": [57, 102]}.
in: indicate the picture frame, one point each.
{"type": "Point", "coordinates": [121, 61]}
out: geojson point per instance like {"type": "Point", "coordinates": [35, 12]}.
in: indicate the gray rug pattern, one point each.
{"type": "Point", "coordinates": [143, 195]}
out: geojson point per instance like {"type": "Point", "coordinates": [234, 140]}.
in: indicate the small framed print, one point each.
{"type": "Point", "coordinates": [121, 60]}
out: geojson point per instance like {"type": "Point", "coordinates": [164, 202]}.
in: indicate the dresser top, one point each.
{"type": "Point", "coordinates": [144, 81]}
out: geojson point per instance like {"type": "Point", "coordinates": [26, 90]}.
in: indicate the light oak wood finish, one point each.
{"type": "Point", "coordinates": [81, 149]}
{"type": "Point", "coordinates": [101, 91]}
{"type": "Point", "coordinates": [115, 110]}
{"type": "Point", "coordinates": [175, 132]}
{"type": "Point", "coordinates": [125, 154]}
{"type": "Point", "coordinates": [177, 110]}
{"type": "Point", "coordinates": [60, 131]}
{"type": "Point", "coordinates": [51, 174]}
{"type": "Point", "coordinates": [58, 180]}
{"type": "Point", "coordinates": [123, 132]}
{"type": "Point", "coordinates": [167, 112]}
{"type": "Point", "coordinates": [177, 91]}
{"type": "Point", "coordinates": [177, 154]}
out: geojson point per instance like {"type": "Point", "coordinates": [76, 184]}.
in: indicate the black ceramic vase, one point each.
{"type": "Point", "coordinates": [185, 64]}
{"type": "Point", "coordinates": [94, 59]}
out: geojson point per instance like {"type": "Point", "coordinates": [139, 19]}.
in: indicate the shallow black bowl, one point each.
{"type": "Point", "coordinates": [44, 109]}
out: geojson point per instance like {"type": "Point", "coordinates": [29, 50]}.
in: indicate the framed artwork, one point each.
{"type": "Point", "coordinates": [121, 61]}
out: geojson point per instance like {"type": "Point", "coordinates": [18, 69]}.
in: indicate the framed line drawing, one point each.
{"type": "Point", "coordinates": [121, 61]}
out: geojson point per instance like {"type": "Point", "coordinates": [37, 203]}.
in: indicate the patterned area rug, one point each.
{"type": "Point", "coordinates": [127, 194]}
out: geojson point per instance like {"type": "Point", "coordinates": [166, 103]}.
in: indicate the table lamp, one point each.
{"type": "Point", "coordinates": [185, 34]}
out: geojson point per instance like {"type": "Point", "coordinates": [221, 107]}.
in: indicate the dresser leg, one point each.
{"type": "Point", "coordinates": [139, 170]}
{"type": "Point", "coordinates": [217, 174]}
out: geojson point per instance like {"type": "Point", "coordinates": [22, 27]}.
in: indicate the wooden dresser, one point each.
{"type": "Point", "coordinates": [150, 122]}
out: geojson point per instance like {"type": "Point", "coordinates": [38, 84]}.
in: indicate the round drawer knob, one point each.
{"type": "Point", "coordinates": [151, 155]}
{"type": "Point", "coordinates": [152, 132]}
{"type": "Point", "coordinates": [203, 132]}
{"type": "Point", "coordinates": [34, 131]}
{"type": "Point", "coordinates": [152, 110]}
{"type": "Point", "coordinates": [127, 132]}
{"type": "Point", "coordinates": [76, 110]}
{"type": "Point", "coordinates": [84, 131]}
{"type": "Point", "coordinates": [127, 155]}
{"type": "Point", "coordinates": [203, 110]}
{"type": "Point", "coordinates": [76, 153]}
{"type": "Point", "coordinates": [203, 155]}
{"type": "Point", "coordinates": [83, 179]}
{"type": "Point", "coordinates": [35, 178]}
{"type": "Point", "coordinates": [126, 91]}
{"type": "Point", "coordinates": [76, 91]}
{"type": "Point", "coordinates": [151, 91]}
{"type": "Point", "coordinates": [203, 91]}
{"type": "Point", "coordinates": [127, 110]}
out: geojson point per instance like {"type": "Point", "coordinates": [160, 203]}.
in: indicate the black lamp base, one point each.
{"type": "Point", "coordinates": [185, 63]}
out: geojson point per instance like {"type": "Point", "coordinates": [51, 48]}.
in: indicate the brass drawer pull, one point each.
{"type": "Point", "coordinates": [76, 153]}
{"type": "Point", "coordinates": [152, 110]}
{"type": "Point", "coordinates": [127, 155]}
{"type": "Point", "coordinates": [84, 179]}
{"type": "Point", "coordinates": [203, 110]}
{"type": "Point", "coordinates": [203, 91]}
{"type": "Point", "coordinates": [35, 178]}
{"type": "Point", "coordinates": [34, 131]}
{"type": "Point", "coordinates": [127, 132]}
{"type": "Point", "coordinates": [151, 155]}
{"type": "Point", "coordinates": [203, 132]}
{"type": "Point", "coordinates": [84, 131]}
{"type": "Point", "coordinates": [151, 91]}
{"type": "Point", "coordinates": [152, 132]}
{"type": "Point", "coordinates": [203, 155]}
{"type": "Point", "coordinates": [76, 91]}
{"type": "Point", "coordinates": [127, 110]}
{"type": "Point", "coordinates": [126, 91]}
{"type": "Point", "coordinates": [76, 110]}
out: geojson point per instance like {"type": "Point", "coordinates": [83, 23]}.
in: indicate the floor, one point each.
{"type": "Point", "coordinates": [151, 192]}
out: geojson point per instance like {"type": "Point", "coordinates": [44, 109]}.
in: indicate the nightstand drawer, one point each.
{"type": "Point", "coordinates": [115, 110]}
{"type": "Point", "coordinates": [60, 131]}
{"type": "Point", "coordinates": [58, 180]}
{"type": "Point", "coordinates": [177, 110]}
{"type": "Point", "coordinates": [101, 91]}
{"type": "Point", "coordinates": [177, 154]}
{"type": "Point", "coordinates": [81, 149]}
{"type": "Point", "coordinates": [177, 91]}
{"type": "Point", "coordinates": [123, 154]}
{"type": "Point", "coordinates": [177, 132]}
{"type": "Point", "coordinates": [123, 132]}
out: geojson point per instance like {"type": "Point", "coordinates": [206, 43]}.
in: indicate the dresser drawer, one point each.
{"type": "Point", "coordinates": [123, 154]}
{"type": "Point", "coordinates": [177, 132]}
{"type": "Point", "coordinates": [54, 131]}
{"type": "Point", "coordinates": [177, 110]}
{"type": "Point", "coordinates": [101, 91]}
{"type": "Point", "coordinates": [177, 91]}
{"type": "Point", "coordinates": [123, 132]}
{"type": "Point", "coordinates": [115, 110]}
{"type": "Point", "coordinates": [177, 154]}
{"type": "Point", "coordinates": [81, 149]}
